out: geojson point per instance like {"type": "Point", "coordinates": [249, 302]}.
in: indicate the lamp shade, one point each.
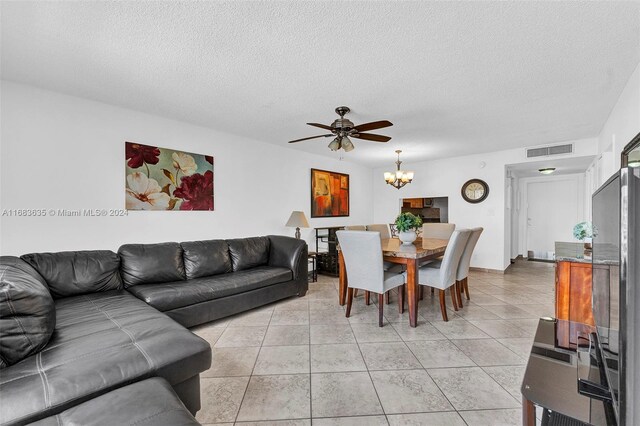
{"type": "Point", "coordinates": [297, 220]}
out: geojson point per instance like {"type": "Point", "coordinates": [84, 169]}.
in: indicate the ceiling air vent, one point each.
{"type": "Point", "coordinates": [549, 150]}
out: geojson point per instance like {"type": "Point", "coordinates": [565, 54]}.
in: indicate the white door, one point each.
{"type": "Point", "coordinates": [552, 212]}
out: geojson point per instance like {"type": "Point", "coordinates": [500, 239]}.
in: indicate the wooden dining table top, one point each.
{"type": "Point", "coordinates": [420, 248]}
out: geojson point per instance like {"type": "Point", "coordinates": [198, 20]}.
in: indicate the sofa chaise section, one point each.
{"type": "Point", "coordinates": [102, 340]}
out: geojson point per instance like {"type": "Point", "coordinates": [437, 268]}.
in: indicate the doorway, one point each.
{"type": "Point", "coordinates": [553, 207]}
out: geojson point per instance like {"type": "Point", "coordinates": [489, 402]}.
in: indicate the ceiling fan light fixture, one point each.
{"type": "Point", "coordinates": [547, 170]}
{"type": "Point", "coordinates": [343, 128]}
{"type": "Point", "coordinates": [347, 145]}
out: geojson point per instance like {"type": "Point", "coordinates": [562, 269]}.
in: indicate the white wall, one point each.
{"type": "Point", "coordinates": [62, 152]}
{"type": "Point", "coordinates": [444, 178]}
{"type": "Point", "coordinates": [622, 125]}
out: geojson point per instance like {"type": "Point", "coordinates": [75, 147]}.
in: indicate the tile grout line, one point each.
{"type": "Point", "coordinates": [253, 368]}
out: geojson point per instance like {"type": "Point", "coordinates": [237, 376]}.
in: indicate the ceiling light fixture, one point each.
{"type": "Point", "coordinates": [399, 178]}
{"type": "Point", "coordinates": [547, 170]}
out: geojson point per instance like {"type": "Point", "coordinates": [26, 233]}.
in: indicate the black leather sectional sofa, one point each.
{"type": "Point", "coordinates": [77, 328]}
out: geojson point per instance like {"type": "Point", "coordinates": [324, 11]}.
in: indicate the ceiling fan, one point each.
{"type": "Point", "coordinates": [343, 129]}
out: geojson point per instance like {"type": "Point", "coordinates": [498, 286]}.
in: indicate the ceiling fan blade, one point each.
{"type": "Point", "coordinates": [371, 137]}
{"type": "Point", "coordinates": [312, 137]}
{"type": "Point", "coordinates": [373, 125]}
{"type": "Point", "coordinates": [322, 126]}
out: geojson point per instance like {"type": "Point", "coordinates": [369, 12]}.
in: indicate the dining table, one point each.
{"type": "Point", "coordinates": [410, 255]}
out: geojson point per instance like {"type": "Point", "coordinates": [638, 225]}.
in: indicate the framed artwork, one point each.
{"type": "Point", "coordinates": [329, 194]}
{"type": "Point", "coordinates": [166, 179]}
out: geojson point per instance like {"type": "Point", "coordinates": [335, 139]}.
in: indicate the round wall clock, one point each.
{"type": "Point", "coordinates": [475, 191]}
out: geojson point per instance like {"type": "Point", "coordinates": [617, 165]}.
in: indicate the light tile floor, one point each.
{"type": "Point", "coordinates": [300, 361]}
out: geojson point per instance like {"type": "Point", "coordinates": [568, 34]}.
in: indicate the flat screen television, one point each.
{"type": "Point", "coordinates": [615, 292]}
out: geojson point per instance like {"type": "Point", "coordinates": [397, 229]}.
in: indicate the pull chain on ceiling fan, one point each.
{"type": "Point", "coordinates": [343, 129]}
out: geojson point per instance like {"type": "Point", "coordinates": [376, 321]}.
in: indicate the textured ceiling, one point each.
{"type": "Point", "coordinates": [454, 78]}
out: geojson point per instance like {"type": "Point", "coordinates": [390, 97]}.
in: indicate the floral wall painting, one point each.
{"type": "Point", "coordinates": [166, 179]}
{"type": "Point", "coordinates": [329, 194]}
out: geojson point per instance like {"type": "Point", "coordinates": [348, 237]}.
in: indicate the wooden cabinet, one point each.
{"type": "Point", "coordinates": [417, 203]}
{"type": "Point", "coordinates": [574, 301]}
{"type": "Point", "coordinates": [573, 292]}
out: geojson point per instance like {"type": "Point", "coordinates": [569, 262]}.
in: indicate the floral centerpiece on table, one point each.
{"type": "Point", "coordinates": [407, 224]}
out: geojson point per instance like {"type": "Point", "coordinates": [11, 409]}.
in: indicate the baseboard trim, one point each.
{"type": "Point", "coordinates": [491, 271]}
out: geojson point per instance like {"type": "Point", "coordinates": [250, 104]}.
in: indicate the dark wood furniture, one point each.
{"type": "Point", "coordinates": [574, 274]}
{"type": "Point", "coordinates": [326, 250]}
{"type": "Point", "coordinates": [393, 251]}
{"type": "Point", "coordinates": [312, 255]}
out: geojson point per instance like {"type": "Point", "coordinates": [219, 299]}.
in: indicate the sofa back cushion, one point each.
{"type": "Point", "coordinates": [248, 252]}
{"type": "Point", "coordinates": [71, 273]}
{"type": "Point", "coordinates": [27, 311]}
{"type": "Point", "coordinates": [206, 258]}
{"type": "Point", "coordinates": [151, 263]}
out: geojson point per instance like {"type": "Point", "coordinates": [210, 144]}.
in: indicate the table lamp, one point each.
{"type": "Point", "coordinates": [297, 220]}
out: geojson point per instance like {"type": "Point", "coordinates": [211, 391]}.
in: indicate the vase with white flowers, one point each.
{"type": "Point", "coordinates": [407, 224]}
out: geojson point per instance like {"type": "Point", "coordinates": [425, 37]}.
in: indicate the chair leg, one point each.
{"type": "Point", "coordinates": [355, 292]}
{"type": "Point", "coordinates": [387, 299]}
{"type": "Point", "coordinates": [458, 295]}
{"type": "Point", "coordinates": [452, 290]}
{"type": "Point", "coordinates": [380, 309]}
{"type": "Point", "coordinates": [401, 298]}
{"type": "Point", "coordinates": [433, 290]}
{"type": "Point", "coordinates": [443, 306]}
{"type": "Point", "coordinates": [366, 298]}
{"type": "Point", "coordinates": [421, 293]}
{"type": "Point", "coordinates": [466, 287]}
{"type": "Point", "coordinates": [349, 300]}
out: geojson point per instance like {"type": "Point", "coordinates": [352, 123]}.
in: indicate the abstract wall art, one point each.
{"type": "Point", "coordinates": [166, 179]}
{"type": "Point", "coordinates": [329, 194]}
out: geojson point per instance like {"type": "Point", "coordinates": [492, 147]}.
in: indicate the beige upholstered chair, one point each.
{"type": "Point", "coordinates": [442, 275]}
{"type": "Point", "coordinates": [382, 228]}
{"type": "Point", "coordinates": [355, 228]}
{"type": "Point", "coordinates": [441, 231]}
{"type": "Point", "coordinates": [465, 261]}
{"type": "Point", "coordinates": [363, 260]}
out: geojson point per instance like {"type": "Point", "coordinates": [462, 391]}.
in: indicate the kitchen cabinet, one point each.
{"type": "Point", "coordinates": [417, 203]}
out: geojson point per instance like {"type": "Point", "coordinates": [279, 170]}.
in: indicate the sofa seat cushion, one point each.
{"type": "Point", "coordinates": [101, 341]}
{"type": "Point", "coordinates": [150, 402]}
{"type": "Point", "coordinates": [168, 296]}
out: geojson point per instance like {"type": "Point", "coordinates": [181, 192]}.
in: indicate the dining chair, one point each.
{"type": "Point", "coordinates": [385, 233]}
{"type": "Point", "coordinates": [355, 228]}
{"type": "Point", "coordinates": [442, 275]}
{"type": "Point", "coordinates": [382, 228]}
{"type": "Point", "coordinates": [465, 260]}
{"type": "Point", "coordinates": [362, 254]}
{"type": "Point", "coordinates": [441, 231]}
